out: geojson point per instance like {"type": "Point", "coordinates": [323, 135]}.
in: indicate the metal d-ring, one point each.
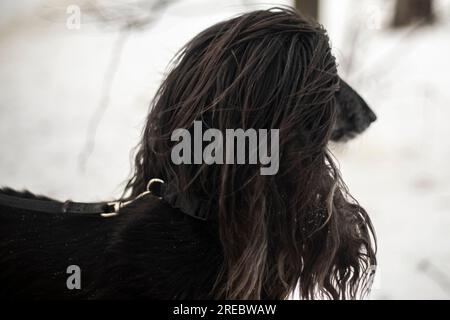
{"type": "Point", "coordinates": [153, 182]}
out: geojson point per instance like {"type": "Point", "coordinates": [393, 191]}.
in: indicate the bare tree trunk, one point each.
{"type": "Point", "coordinates": [309, 8]}
{"type": "Point", "coordinates": [410, 11]}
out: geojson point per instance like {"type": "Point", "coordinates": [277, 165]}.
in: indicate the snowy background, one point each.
{"type": "Point", "coordinates": [73, 102]}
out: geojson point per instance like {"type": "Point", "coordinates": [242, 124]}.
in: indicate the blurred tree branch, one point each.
{"type": "Point", "coordinates": [141, 14]}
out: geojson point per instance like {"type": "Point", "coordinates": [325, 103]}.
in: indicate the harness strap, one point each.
{"type": "Point", "coordinates": [190, 205]}
{"type": "Point", "coordinates": [46, 206]}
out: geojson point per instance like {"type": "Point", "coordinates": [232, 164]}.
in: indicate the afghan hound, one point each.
{"type": "Point", "coordinates": [218, 231]}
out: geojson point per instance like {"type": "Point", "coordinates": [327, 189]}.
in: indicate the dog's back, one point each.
{"type": "Point", "coordinates": [149, 250]}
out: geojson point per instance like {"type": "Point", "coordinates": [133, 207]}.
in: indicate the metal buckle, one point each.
{"type": "Point", "coordinates": [116, 205]}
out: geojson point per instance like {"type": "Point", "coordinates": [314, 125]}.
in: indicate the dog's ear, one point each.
{"type": "Point", "coordinates": [353, 114]}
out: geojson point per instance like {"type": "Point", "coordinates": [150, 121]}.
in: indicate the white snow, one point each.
{"type": "Point", "coordinates": [51, 82]}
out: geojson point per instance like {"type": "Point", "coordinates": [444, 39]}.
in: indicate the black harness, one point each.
{"type": "Point", "coordinates": [189, 205]}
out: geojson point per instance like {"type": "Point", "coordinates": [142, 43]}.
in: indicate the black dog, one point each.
{"type": "Point", "coordinates": [152, 249]}
{"type": "Point", "coordinates": [36, 248]}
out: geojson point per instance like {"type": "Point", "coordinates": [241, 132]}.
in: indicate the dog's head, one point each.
{"type": "Point", "coordinates": [266, 69]}
{"type": "Point", "coordinates": [353, 114]}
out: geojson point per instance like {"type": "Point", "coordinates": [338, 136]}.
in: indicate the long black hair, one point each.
{"type": "Point", "coordinates": [270, 69]}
